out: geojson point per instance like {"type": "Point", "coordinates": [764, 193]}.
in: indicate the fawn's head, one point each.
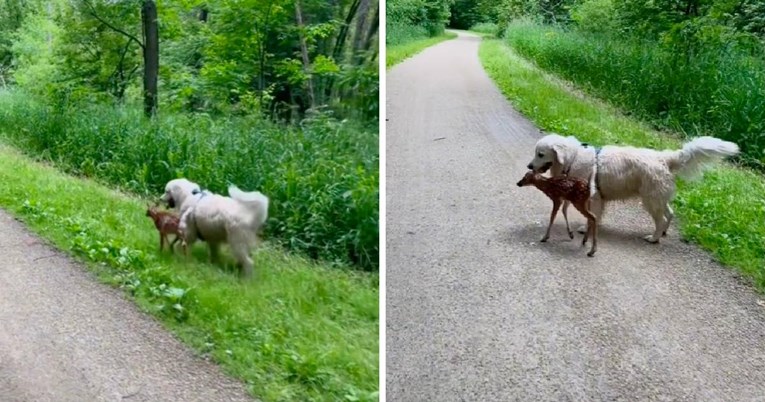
{"type": "Point", "coordinates": [151, 210]}
{"type": "Point", "coordinates": [528, 179]}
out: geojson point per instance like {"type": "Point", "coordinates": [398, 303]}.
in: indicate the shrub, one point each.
{"type": "Point", "coordinates": [321, 176]}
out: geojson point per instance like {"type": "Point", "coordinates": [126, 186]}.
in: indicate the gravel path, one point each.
{"type": "Point", "coordinates": [478, 309]}
{"type": "Point", "coordinates": [65, 337]}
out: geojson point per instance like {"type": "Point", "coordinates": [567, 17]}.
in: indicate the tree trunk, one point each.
{"type": "Point", "coordinates": [343, 35]}
{"type": "Point", "coordinates": [371, 34]}
{"type": "Point", "coordinates": [150, 57]}
{"type": "Point", "coordinates": [304, 53]}
{"type": "Point", "coordinates": [358, 37]}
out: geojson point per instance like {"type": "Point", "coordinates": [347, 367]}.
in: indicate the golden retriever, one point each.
{"type": "Point", "coordinates": [623, 172]}
{"type": "Point", "coordinates": [217, 219]}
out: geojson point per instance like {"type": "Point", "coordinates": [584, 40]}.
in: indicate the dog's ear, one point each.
{"type": "Point", "coordinates": [561, 153]}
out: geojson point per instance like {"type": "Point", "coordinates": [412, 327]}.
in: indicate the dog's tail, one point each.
{"type": "Point", "coordinates": [254, 201]}
{"type": "Point", "coordinates": [698, 154]}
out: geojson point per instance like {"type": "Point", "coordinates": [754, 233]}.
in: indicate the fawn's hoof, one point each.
{"type": "Point", "coordinates": [591, 254]}
{"type": "Point", "coordinates": [544, 239]}
{"type": "Point", "coordinates": [571, 235]}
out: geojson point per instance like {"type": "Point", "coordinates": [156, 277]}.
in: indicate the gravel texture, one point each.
{"type": "Point", "coordinates": [66, 337]}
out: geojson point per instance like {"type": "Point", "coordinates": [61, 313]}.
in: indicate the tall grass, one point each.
{"type": "Point", "coordinates": [401, 34]}
{"type": "Point", "coordinates": [717, 90]}
{"type": "Point", "coordinates": [485, 28]}
{"type": "Point", "coordinates": [322, 176]}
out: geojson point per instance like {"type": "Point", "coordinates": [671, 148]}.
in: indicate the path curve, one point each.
{"type": "Point", "coordinates": [478, 309]}
{"type": "Point", "coordinates": [65, 337]}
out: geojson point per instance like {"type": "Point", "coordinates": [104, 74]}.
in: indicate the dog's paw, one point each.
{"type": "Point", "coordinates": [651, 239]}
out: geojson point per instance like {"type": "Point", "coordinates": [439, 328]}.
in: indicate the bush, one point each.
{"type": "Point", "coordinates": [409, 20]}
{"type": "Point", "coordinates": [322, 176]}
{"type": "Point", "coordinates": [486, 28]}
{"type": "Point", "coordinates": [697, 81]}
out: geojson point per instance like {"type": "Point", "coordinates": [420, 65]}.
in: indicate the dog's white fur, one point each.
{"type": "Point", "coordinates": [626, 172]}
{"type": "Point", "coordinates": [217, 219]}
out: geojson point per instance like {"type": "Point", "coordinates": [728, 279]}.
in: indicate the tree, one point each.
{"type": "Point", "coordinates": [150, 56]}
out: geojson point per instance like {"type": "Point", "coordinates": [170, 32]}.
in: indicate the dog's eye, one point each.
{"type": "Point", "coordinates": [541, 155]}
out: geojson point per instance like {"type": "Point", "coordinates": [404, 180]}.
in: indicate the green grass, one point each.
{"type": "Point", "coordinates": [321, 175]}
{"type": "Point", "coordinates": [692, 85]}
{"type": "Point", "coordinates": [723, 213]}
{"type": "Point", "coordinates": [298, 331]}
{"type": "Point", "coordinates": [398, 53]}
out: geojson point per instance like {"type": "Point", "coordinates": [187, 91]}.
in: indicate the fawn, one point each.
{"type": "Point", "coordinates": [166, 223]}
{"type": "Point", "coordinates": [562, 188]}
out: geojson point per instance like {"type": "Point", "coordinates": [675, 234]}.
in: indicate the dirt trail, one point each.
{"type": "Point", "coordinates": [65, 337]}
{"type": "Point", "coordinates": [478, 309]}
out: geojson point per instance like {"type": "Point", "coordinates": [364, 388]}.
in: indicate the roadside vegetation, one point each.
{"type": "Point", "coordinates": [398, 53]}
{"type": "Point", "coordinates": [103, 102]}
{"type": "Point", "coordinates": [723, 213]}
{"type": "Point", "coordinates": [413, 25]}
{"type": "Point", "coordinates": [299, 331]}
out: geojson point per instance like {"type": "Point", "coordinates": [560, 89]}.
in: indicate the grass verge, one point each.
{"type": "Point", "coordinates": [723, 213]}
{"type": "Point", "coordinates": [398, 53]}
{"type": "Point", "coordinates": [298, 331]}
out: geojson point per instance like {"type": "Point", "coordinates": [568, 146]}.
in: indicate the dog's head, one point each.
{"type": "Point", "coordinates": [553, 149]}
{"type": "Point", "coordinates": [177, 191]}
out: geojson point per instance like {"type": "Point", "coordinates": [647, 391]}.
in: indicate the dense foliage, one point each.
{"type": "Point", "coordinates": [275, 95]}
{"type": "Point", "coordinates": [694, 66]}
{"type": "Point", "coordinates": [410, 20]}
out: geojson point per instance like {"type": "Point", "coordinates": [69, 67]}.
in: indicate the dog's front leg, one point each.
{"type": "Point", "coordinates": [214, 252]}
{"type": "Point", "coordinates": [597, 206]}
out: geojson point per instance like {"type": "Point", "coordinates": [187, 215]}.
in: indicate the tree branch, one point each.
{"type": "Point", "coordinates": [93, 13]}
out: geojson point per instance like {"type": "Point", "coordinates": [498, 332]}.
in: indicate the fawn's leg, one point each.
{"type": "Point", "coordinates": [556, 206]}
{"type": "Point", "coordinates": [161, 241]}
{"type": "Point", "coordinates": [565, 218]}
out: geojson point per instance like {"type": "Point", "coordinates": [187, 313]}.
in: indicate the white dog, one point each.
{"type": "Point", "coordinates": [625, 172]}
{"type": "Point", "coordinates": [217, 219]}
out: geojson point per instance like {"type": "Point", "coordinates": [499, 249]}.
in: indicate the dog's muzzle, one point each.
{"type": "Point", "coordinates": [170, 202]}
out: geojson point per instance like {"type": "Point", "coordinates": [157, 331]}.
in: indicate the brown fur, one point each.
{"type": "Point", "coordinates": [565, 188]}
{"type": "Point", "coordinates": [166, 223]}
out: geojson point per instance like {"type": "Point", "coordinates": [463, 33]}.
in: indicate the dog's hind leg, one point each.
{"type": "Point", "coordinates": [242, 254]}
{"type": "Point", "coordinates": [668, 215]}
{"type": "Point", "coordinates": [657, 210]}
